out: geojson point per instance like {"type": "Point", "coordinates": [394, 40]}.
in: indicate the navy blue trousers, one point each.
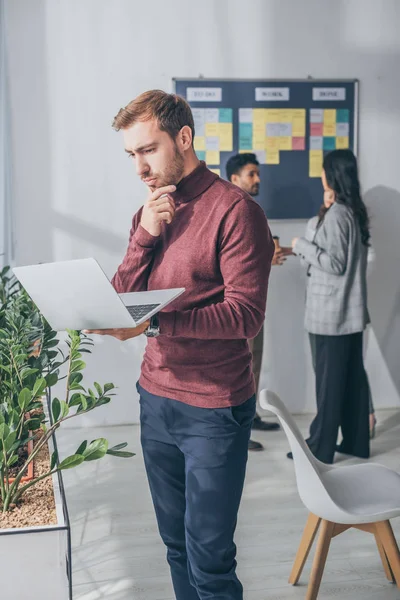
{"type": "Point", "coordinates": [196, 462]}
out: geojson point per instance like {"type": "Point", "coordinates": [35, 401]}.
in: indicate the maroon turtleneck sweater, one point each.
{"type": "Point", "coordinates": [219, 247]}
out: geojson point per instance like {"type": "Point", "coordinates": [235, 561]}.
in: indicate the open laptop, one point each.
{"type": "Point", "coordinates": [77, 294]}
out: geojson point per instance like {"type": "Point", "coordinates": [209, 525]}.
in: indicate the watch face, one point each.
{"type": "Point", "coordinates": [152, 332]}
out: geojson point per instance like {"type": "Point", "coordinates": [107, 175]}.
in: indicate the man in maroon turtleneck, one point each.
{"type": "Point", "coordinates": [197, 391]}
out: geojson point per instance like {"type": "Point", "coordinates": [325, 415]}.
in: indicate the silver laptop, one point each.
{"type": "Point", "coordinates": [77, 294]}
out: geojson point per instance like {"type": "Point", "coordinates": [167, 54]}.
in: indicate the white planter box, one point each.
{"type": "Point", "coordinates": [36, 561]}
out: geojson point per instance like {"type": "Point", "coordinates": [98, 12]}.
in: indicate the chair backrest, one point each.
{"type": "Point", "coordinates": [308, 469]}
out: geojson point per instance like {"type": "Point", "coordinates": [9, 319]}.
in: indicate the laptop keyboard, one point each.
{"type": "Point", "coordinates": [139, 311]}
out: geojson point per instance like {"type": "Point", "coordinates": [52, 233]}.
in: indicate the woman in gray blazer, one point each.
{"type": "Point", "coordinates": [336, 310]}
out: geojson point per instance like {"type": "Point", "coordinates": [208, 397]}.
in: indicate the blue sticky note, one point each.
{"type": "Point", "coordinates": [245, 136]}
{"type": "Point", "coordinates": [225, 115]}
{"type": "Point", "coordinates": [201, 155]}
{"type": "Point", "coordinates": [329, 143]}
{"type": "Point", "coordinates": [342, 115]}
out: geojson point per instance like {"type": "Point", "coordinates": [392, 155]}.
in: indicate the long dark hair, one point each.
{"type": "Point", "coordinates": [341, 174]}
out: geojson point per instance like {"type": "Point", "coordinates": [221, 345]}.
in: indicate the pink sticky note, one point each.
{"type": "Point", "coordinates": [316, 129]}
{"type": "Point", "coordinates": [298, 143]}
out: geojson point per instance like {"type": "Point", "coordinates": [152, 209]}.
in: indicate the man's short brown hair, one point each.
{"type": "Point", "coordinates": [171, 111]}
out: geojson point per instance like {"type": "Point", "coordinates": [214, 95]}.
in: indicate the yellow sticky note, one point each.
{"type": "Point", "coordinates": [259, 127]}
{"type": "Point", "coordinates": [272, 157]}
{"type": "Point", "coordinates": [259, 141]}
{"type": "Point", "coordinates": [212, 157]}
{"type": "Point", "coordinates": [285, 143]}
{"type": "Point", "coordinates": [299, 113]}
{"type": "Point", "coordinates": [259, 115]}
{"type": "Point", "coordinates": [245, 151]}
{"type": "Point", "coordinates": [285, 115]}
{"type": "Point", "coordinates": [316, 159]}
{"type": "Point", "coordinates": [199, 143]}
{"type": "Point", "coordinates": [271, 143]}
{"type": "Point", "coordinates": [212, 129]}
{"type": "Point", "coordinates": [299, 122]}
{"type": "Point", "coordinates": [298, 127]}
{"type": "Point", "coordinates": [330, 116]}
{"type": "Point", "coordinates": [217, 171]}
{"type": "Point", "coordinates": [329, 130]}
{"type": "Point", "coordinates": [226, 137]}
{"type": "Point", "coordinates": [272, 115]}
{"type": "Point", "coordinates": [342, 142]}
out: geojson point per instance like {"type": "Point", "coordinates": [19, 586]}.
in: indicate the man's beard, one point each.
{"type": "Point", "coordinates": [254, 190]}
{"type": "Point", "coordinates": [173, 173]}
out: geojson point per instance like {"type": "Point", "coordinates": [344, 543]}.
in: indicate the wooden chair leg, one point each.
{"type": "Point", "coordinates": [324, 540]}
{"type": "Point", "coordinates": [385, 533]}
{"type": "Point", "coordinates": [385, 562]}
{"type": "Point", "coordinates": [310, 531]}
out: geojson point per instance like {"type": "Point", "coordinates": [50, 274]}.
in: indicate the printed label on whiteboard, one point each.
{"type": "Point", "coordinates": [329, 94]}
{"type": "Point", "coordinates": [197, 94]}
{"type": "Point", "coordinates": [272, 93]}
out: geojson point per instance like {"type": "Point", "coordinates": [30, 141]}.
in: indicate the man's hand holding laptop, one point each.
{"type": "Point", "coordinates": [123, 334]}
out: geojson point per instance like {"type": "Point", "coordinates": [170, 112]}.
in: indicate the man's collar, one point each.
{"type": "Point", "coordinates": [194, 184]}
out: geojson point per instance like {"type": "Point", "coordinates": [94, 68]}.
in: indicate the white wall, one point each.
{"type": "Point", "coordinates": [74, 63]}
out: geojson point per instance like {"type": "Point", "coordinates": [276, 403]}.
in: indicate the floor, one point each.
{"type": "Point", "coordinates": [117, 554]}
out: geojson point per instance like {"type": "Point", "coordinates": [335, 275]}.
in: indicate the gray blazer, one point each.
{"type": "Point", "coordinates": [336, 301]}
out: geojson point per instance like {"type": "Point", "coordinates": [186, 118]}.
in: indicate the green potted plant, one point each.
{"type": "Point", "coordinates": [30, 364]}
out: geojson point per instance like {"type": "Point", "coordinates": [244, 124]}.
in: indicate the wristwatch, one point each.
{"type": "Point", "coordinates": [153, 330]}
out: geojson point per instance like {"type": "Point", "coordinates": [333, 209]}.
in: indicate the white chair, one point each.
{"type": "Point", "coordinates": [363, 496]}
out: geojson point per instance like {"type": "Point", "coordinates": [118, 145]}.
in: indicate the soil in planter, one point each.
{"type": "Point", "coordinates": [22, 456]}
{"type": "Point", "coordinates": [37, 506]}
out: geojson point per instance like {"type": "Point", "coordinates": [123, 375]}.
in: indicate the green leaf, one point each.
{"type": "Point", "coordinates": [120, 454]}
{"type": "Point", "coordinates": [96, 449]}
{"type": "Point", "coordinates": [4, 431]}
{"type": "Point", "coordinates": [76, 386]}
{"type": "Point", "coordinates": [98, 388]}
{"type": "Point", "coordinates": [54, 460]}
{"type": "Point", "coordinates": [12, 460]}
{"type": "Point", "coordinates": [108, 387]}
{"type": "Point", "coordinates": [74, 400]}
{"type": "Point", "coordinates": [51, 379]}
{"type": "Point", "coordinates": [24, 398]}
{"type": "Point", "coordinates": [9, 441]}
{"type": "Point", "coordinates": [43, 427]}
{"type": "Point", "coordinates": [33, 424]}
{"type": "Point", "coordinates": [35, 405]}
{"type": "Point", "coordinates": [64, 409]}
{"type": "Point", "coordinates": [56, 409]}
{"type": "Point", "coordinates": [104, 400]}
{"type": "Point", "coordinates": [52, 343]}
{"type": "Point", "coordinates": [77, 365]}
{"type": "Point", "coordinates": [119, 446]}
{"type": "Point", "coordinates": [75, 378]}
{"type": "Point", "coordinates": [25, 373]}
{"type": "Point", "coordinates": [16, 445]}
{"type": "Point", "coordinates": [71, 461]}
{"type": "Point", "coordinates": [82, 447]}
{"type": "Point", "coordinates": [84, 402]}
{"type": "Point", "coordinates": [39, 387]}
{"type": "Point", "coordinates": [52, 354]}
{"type": "Point", "coordinates": [55, 365]}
